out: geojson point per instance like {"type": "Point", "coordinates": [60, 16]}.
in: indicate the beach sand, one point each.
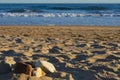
{"type": "Point", "coordinates": [77, 52]}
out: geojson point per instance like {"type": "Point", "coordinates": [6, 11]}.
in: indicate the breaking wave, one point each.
{"type": "Point", "coordinates": [56, 15]}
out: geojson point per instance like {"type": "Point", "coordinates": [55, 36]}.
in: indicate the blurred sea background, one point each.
{"type": "Point", "coordinates": [60, 14]}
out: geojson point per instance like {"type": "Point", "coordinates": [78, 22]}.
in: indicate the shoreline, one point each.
{"type": "Point", "coordinates": [56, 31]}
{"type": "Point", "coordinates": [54, 26]}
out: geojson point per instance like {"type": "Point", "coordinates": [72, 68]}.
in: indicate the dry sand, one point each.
{"type": "Point", "coordinates": [78, 53]}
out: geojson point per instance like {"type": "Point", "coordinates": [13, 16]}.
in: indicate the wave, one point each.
{"type": "Point", "coordinates": [56, 15]}
{"type": "Point", "coordinates": [24, 10]}
{"type": "Point", "coordinates": [91, 8]}
{"type": "Point", "coordinates": [61, 8]}
{"type": "Point", "coordinates": [94, 8]}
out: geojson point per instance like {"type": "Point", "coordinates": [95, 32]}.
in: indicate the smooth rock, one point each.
{"type": "Point", "coordinates": [21, 67]}
{"type": "Point", "coordinates": [4, 68]}
{"type": "Point", "coordinates": [45, 66]}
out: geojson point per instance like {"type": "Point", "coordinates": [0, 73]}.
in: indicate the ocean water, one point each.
{"type": "Point", "coordinates": [60, 14]}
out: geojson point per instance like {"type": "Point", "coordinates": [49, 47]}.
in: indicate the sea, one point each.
{"type": "Point", "coordinates": [60, 14]}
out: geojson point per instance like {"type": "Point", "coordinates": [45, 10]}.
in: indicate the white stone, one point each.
{"type": "Point", "coordinates": [45, 66]}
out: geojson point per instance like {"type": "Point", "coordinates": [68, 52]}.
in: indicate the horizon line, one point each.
{"type": "Point", "coordinates": [59, 3]}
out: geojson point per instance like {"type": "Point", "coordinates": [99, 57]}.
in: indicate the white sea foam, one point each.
{"type": "Point", "coordinates": [56, 15]}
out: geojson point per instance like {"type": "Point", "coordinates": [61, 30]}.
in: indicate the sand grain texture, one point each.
{"type": "Point", "coordinates": [78, 53]}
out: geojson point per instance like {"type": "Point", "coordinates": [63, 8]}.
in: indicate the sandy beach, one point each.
{"type": "Point", "coordinates": [77, 52]}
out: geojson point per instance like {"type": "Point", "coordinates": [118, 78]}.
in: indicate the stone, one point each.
{"type": "Point", "coordinates": [7, 76]}
{"type": "Point", "coordinates": [4, 68]}
{"type": "Point", "coordinates": [21, 67]}
{"type": "Point", "coordinates": [45, 66]}
{"type": "Point", "coordinates": [38, 72]}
